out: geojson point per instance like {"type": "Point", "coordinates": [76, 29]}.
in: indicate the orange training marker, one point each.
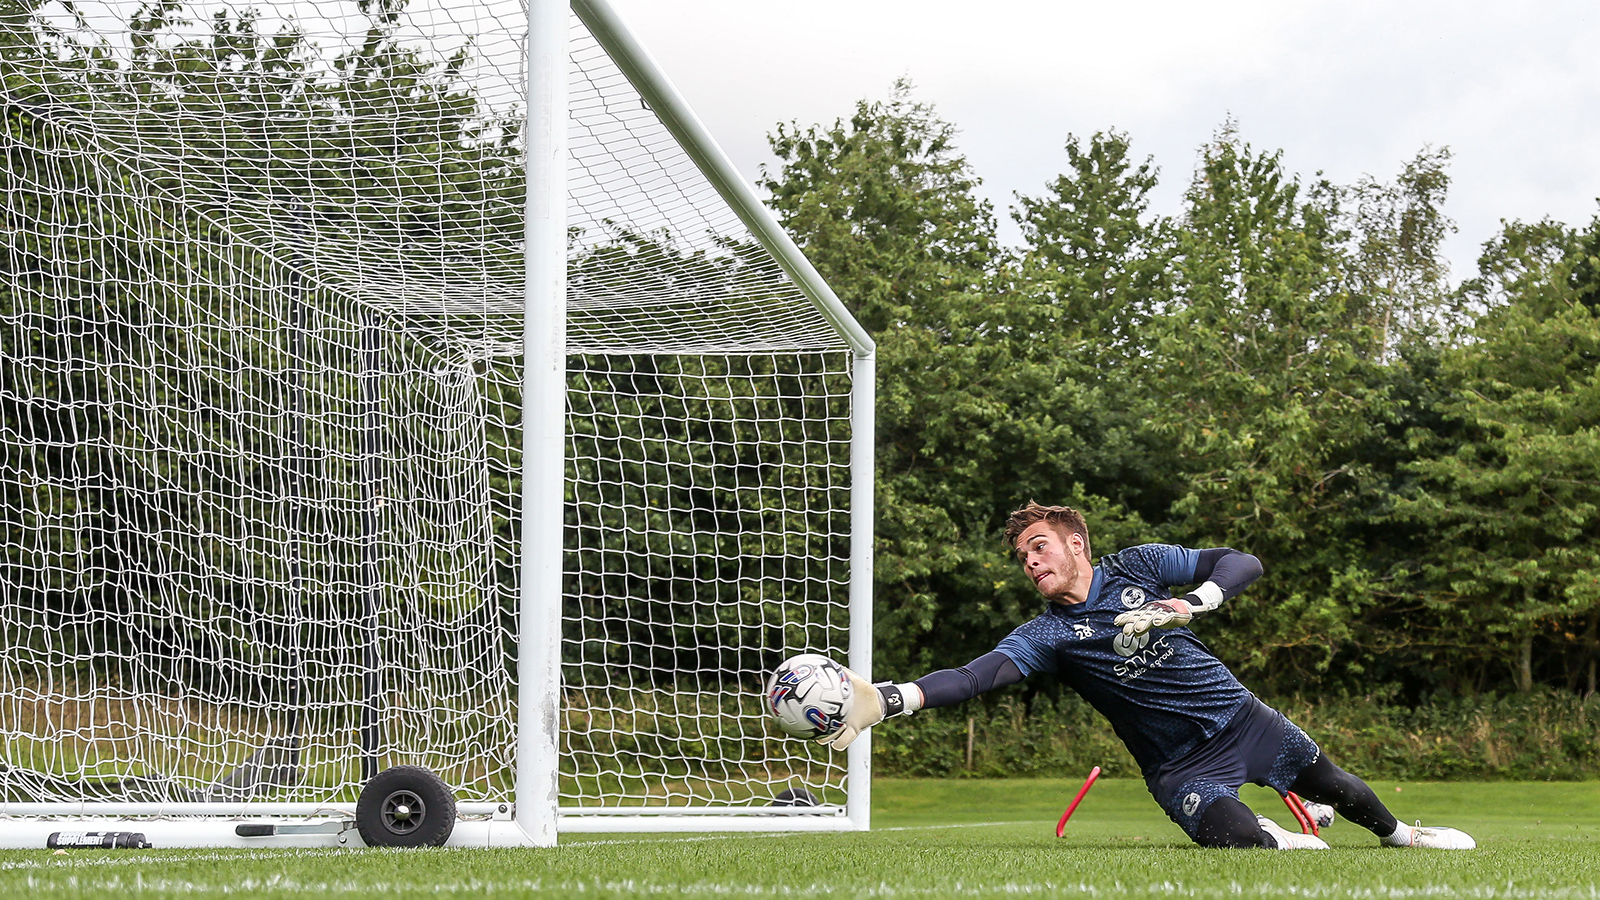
{"type": "Point", "coordinates": [1088, 783]}
{"type": "Point", "coordinates": [1301, 814]}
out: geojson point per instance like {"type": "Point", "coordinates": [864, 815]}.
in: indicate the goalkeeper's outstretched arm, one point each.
{"type": "Point", "coordinates": [876, 702]}
{"type": "Point", "coordinates": [948, 687]}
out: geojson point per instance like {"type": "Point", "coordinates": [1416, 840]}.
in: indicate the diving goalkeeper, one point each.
{"type": "Point", "coordinates": [1114, 634]}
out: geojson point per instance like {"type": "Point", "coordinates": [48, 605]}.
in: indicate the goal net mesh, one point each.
{"type": "Point", "coordinates": [261, 281]}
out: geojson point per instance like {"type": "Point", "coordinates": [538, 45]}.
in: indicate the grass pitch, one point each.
{"type": "Point", "coordinates": [930, 839]}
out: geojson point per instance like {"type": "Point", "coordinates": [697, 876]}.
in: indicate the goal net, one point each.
{"type": "Point", "coordinates": [261, 316]}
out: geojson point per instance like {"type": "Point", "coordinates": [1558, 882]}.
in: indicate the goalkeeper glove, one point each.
{"type": "Point", "coordinates": [1172, 613]}
{"type": "Point", "coordinates": [871, 704]}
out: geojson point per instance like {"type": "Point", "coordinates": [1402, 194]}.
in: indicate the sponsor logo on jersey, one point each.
{"type": "Point", "coordinates": [1082, 631]}
{"type": "Point", "coordinates": [1141, 654]}
{"type": "Point", "coordinates": [1128, 644]}
{"type": "Point", "coordinates": [1190, 804]}
{"type": "Point", "coordinates": [1132, 597]}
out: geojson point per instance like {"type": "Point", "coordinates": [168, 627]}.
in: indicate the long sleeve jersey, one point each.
{"type": "Point", "coordinates": [1162, 691]}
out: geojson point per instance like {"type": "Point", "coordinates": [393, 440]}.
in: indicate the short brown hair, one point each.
{"type": "Point", "coordinates": [1064, 519]}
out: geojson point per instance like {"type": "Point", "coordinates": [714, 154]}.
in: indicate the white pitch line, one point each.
{"type": "Point", "coordinates": [768, 834]}
{"type": "Point", "coordinates": [280, 884]}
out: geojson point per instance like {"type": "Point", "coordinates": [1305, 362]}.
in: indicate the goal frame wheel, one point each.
{"type": "Point", "coordinates": [795, 797]}
{"type": "Point", "coordinates": [406, 806]}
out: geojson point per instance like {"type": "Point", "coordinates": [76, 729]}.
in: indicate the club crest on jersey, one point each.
{"type": "Point", "coordinates": [1082, 631]}
{"type": "Point", "coordinates": [1133, 597]}
{"type": "Point", "coordinates": [1190, 804]}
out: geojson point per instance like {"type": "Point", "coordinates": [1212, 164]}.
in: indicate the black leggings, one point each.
{"type": "Point", "coordinates": [1227, 822]}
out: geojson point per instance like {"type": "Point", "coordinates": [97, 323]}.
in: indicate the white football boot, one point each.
{"type": "Point", "coordinates": [1289, 840]}
{"type": "Point", "coordinates": [1433, 838]}
{"type": "Point", "coordinates": [1321, 813]}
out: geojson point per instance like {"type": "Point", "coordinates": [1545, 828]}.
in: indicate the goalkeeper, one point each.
{"type": "Point", "coordinates": [1114, 634]}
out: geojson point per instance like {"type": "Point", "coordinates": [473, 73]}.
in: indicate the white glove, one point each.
{"type": "Point", "coordinates": [1171, 613]}
{"type": "Point", "coordinates": [866, 710]}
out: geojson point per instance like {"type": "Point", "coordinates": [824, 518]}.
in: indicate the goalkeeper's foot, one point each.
{"type": "Point", "coordinates": [1321, 813]}
{"type": "Point", "coordinates": [1433, 838]}
{"type": "Point", "coordinates": [1289, 840]}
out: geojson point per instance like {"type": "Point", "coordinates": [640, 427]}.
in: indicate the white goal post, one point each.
{"type": "Point", "coordinates": [406, 388]}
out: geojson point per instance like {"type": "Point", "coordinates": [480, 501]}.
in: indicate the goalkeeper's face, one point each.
{"type": "Point", "coordinates": [1052, 559]}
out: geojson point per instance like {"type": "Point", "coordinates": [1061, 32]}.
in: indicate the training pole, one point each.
{"type": "Point", "coordinates": [1308, 824]}
{"type": "Point", "coordinates": [1061, 826]}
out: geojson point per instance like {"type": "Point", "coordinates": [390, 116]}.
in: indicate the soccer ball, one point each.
{"type": "Point", "coordinates": [809, 695]}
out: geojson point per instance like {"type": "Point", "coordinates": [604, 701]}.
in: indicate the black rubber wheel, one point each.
{"type": "Point", "coordinates": [406, 806]}
{"type": "Point", "coordinates": [795, 797]}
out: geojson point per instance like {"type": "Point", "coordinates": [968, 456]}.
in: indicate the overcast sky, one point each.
{"type": "Point", "coordinates": [1350, 88]}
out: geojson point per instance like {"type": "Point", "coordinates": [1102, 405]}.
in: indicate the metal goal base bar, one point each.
{"type": "Point", "coordinates": [305, 826]}
{"type": "Point", "coordinates": [35, 834]}
{"type": "Point", "coordinates": [498, 809]}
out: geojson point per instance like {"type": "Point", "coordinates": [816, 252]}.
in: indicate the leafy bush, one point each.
{"type": "Point", "coordinates": [1543, 736]}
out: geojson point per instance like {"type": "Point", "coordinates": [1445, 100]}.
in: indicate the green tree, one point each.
{"type": "Point", "coordinates": [1094, 273]}
{"type": "Point", "coordinates": [1511, 492]}
{"type": "Point", "coordinates": [884, 205]}
{"type": "Point", "coordinates": [1090, 256]}
{"type": "Point", "coordinates": [1269, 384]}
{"type": "Point", "coordinates": [1396, 270]}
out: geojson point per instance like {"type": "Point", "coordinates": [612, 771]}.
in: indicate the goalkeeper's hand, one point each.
{"type": "Point", "coordinates": [866, 710]}
{"type": "Point", "coordinates": [1171, 613]}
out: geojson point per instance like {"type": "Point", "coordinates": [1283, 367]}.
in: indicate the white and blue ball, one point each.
{"type": "Point", "coordinates": [809, 695]}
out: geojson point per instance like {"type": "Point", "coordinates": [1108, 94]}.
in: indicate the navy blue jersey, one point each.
{"type": "Point", "coordinates": [1162, 691]}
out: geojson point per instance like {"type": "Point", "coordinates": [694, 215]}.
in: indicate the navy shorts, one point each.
{"type": "Point", "coordinates": [1259, 745]}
